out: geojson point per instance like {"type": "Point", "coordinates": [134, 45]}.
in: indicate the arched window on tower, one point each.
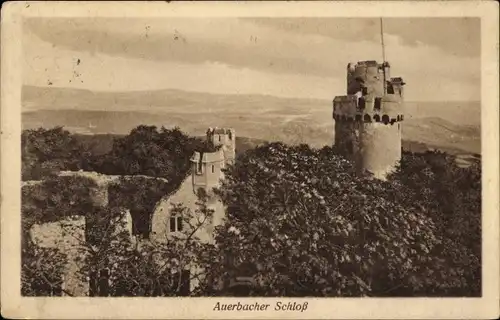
{"type": "Point", "coordinates": [213, 168]}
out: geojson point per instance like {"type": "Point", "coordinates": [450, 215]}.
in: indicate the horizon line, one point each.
{"type": "Point", "coordinates": [221, 94]}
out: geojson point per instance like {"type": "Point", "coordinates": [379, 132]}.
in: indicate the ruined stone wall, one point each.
{"type": "Point", "coordinates": [70, 235]}
{"type": "Point", "coordinates": [184, 195]}
{"type": "Point", "coordinates": [207, 170]}
{"type": "Point", "coordinates": [67, 236]}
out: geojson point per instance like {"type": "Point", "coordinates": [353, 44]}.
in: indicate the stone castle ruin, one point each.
{"type": "Point", "coordinates": [206, 175]}
{"type": "Point", "coordinates": [367, 130]}
{"type": "Point", "coordinates": [368, 119]}
{"type": "Point", "coordinates": [68, 234]}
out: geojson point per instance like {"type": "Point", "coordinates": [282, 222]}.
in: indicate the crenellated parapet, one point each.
{"type": "Point", "coordinates": [225, 137]}
{"type": "Point", "coordinates": [387, 109]}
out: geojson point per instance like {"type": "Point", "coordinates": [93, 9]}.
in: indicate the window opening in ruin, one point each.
{"type": "Point", "coordinates": [230, 135]}
{"type": "Point", "coordinates": [364, 91]}
{"type": "Point", "coordinates": [199, 167]}
{"type": "Point", "coordinates": [378, 104]}
{"type": "Point", "coordinates": [361, 103]}
{"type": "Point", "coordinates": [176, 224]}
{"type": "Point", "coordinates": [219, 138]}
{"type": "Point", "coordinates": [213, 168]}
{"type": "Point", "coordinates": [390, 88]}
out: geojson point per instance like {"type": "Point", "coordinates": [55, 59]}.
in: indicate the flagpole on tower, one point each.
{"type": "Point", "coordinates": [382, 38]}
{"type": "Point", "coordinates": [383, 53]}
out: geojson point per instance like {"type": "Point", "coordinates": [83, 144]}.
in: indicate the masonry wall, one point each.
{"type": "Point", "coordinates": [66, 236]}
{"type": "Point", "coordinates": [70, 235]}
{"type": "Point", "coordinates": [207, 170]}
{"type": "Point", "coordinates": [379, 147]}
{"type": "Point", "coordinates": [185, 196]}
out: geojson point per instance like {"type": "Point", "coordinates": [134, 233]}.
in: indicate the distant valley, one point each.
{"type": "Point", "coordinates": [452, 126]}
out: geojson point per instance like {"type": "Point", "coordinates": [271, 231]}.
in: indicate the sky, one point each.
{"type": "Point", "coordinates": [439, 58]}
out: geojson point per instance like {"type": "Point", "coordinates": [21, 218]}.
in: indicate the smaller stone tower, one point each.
{"type": "Point", "coordinates": [225, 137]}
{"type": "Point", "coordinates": [207, 170]}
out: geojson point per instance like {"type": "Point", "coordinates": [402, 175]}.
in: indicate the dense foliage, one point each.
{"type": "Point", "coordinates": [166, 268]}
{"type": "Point", "coordinates": [41, 271]}
{"type": "Point", "coordinates": [140, 196]}
{"type": "Point", "coordinates": [300, 221]}
{"type": "Point", "coordinates": [145, 151]}
{"type": "Point", "coordinates": [452, 197]}
{"type": "Point", "coordinates": [108, 244]}
{"type": "Point", "coordinates": [308, 226]}
{"type": "Point", "coordinates": [44, 151]}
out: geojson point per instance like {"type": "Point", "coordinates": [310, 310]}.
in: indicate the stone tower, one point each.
{"type": "Point", "coordinates": [226, 138]}
{"type": "Point", "coordinates": [207, 170]}
{"type": "Point", "coordinates": [368, 119]}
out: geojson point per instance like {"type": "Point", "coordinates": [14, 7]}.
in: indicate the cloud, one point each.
{"type": "Point", "coordinates": [101, 72]}
{"type": "Point", "coordinates": [457, 36]}
{"type": "Point", "coordinates": [241, 55]}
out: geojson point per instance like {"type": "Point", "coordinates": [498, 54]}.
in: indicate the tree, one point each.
{"type": "Point", "coordinates": [452, 197]}
{"type": "Point", "coordinates": [110, 258]}
{"type": "Point", "coordinates": [47, 151]}
{"type": "Point", "coordinates": [41, 271]}
{"type": "Point", "coordinates": [139, 195]}
{"type": "Point", "coordinates": [53, 200]}
{"type": "Point", "coordinates": [167, 268]}
{"type": "Point", "coordinates": [309, 226]}
{"type": "Point", "coordinates": [148, 151]}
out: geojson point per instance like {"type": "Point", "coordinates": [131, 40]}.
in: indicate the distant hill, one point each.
{"type": "Point", "coordinates": [450, 125]}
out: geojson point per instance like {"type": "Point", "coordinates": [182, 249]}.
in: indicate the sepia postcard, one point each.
{"type": "Point", "coordinates": [250, 160]}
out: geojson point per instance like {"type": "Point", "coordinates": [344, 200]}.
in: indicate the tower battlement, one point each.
{"type": "Point", "coordinates": [367, 77]}
{"type": "Point", "coordinates": [386, 109]}
{"type": "Point", "coordinates": [225, 137]}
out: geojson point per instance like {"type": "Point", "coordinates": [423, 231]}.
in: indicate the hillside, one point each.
{"type": "Point", "coordinates": [443, 125]}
